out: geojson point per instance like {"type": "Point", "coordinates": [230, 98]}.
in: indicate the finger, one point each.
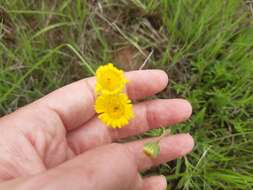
{"type": "Point", "coordinates": [90, 171]}
{"type": "Point", "coordinates": [154, 183]}
{"type": "Point", "coordinates": [171, 147]}
{"type": "Point", "coordinates": [148, 115]}
{"type": "Point", "coordinates": [122, 160]}
{"type": "Point", "coordinates": [12, 184]}
{"type": "Point", "coordinates": [74, 103]}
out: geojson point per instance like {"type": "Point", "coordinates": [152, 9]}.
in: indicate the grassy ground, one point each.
{"type": "Point", "coordinates": [205, 46]}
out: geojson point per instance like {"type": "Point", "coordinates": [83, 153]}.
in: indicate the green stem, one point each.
{"type": "Point", "coordinates": [81, 58]}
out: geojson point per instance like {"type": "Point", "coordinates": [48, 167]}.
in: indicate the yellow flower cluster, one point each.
{"type": "Point", "coordinates": [113, 106]}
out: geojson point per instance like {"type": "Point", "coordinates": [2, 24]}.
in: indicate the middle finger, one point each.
{"type": "Point", "coordinates": [148, 115]}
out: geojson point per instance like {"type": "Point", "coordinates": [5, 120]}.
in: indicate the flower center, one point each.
{"type": "Point", "coordinates": [116, 110]}
{"type": "Point", "coordinates": [111, 81]}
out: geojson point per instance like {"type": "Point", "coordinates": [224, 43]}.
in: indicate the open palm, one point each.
{"type": "Point", "coordinates": [58, 141]}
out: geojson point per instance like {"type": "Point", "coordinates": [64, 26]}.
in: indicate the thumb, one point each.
{"type": "Point", "coordinates": [108, 167]}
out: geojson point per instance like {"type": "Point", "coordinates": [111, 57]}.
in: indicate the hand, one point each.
{"type": "Point", "coordinates": [58, 142]}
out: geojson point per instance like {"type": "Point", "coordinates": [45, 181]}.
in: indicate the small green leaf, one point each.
{"type": "Point", "coordinates": [152, 149]}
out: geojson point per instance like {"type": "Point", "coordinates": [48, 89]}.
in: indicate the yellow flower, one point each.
{"type": "Point", "coordinates": [109, 80]}
{"type": "Point", "coordinates": [114, 110]}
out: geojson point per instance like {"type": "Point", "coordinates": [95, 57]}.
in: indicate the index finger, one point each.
{"type": "Point", "coordinates": [74, 103]}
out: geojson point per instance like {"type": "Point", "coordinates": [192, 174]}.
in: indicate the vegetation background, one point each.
{"type": "Point", "coordinates": [205, 46]}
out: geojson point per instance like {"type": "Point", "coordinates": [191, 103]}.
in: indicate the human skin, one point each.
{"type": "Point", "coordinates": [57, 142]}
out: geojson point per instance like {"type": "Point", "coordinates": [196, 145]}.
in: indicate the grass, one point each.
{"type": "Point", "coordinates": [205, 46]}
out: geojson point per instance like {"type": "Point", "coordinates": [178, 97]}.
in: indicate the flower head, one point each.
{"type": "Point", "coordinates": [110, 80]}
{"type": "Point", "coordinates": [114, 110]}
{"type": "Point", "coordinates": [152, 149]}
